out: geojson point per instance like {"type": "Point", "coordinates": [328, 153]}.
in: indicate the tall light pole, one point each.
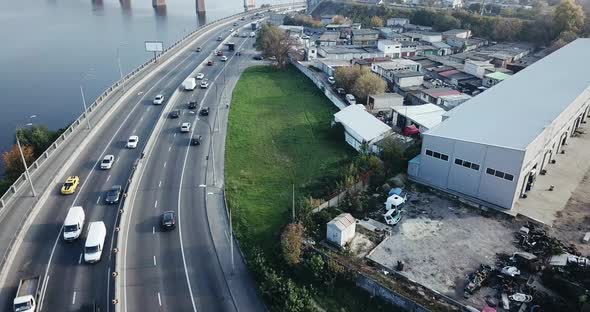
{"type": "Point", "coordinates": [120, 69]}
{"type": "Point", "coordinates": [27, 175]}
{"type": "Point", "coordinates": [85, 77]}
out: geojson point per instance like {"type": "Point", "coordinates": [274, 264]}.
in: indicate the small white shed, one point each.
{"type": "Point", "coordinates": [341, 229]}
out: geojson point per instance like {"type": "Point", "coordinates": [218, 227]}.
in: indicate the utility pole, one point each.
{"type": "Point", "coordinates": [293, 207]}
{"type": "Point", "coordinates": [120, 69]}
{"type": "Point", "coordinates": [27, 175]}
{"type": "Point", "coordinates": [84, 103]}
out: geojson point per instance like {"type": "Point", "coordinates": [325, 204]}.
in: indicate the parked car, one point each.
{"type": "Point", "coordinates": [198, 49]}
{"type": "Point", "coordinates": [132, 141]}
{"type": "Point", "coordinates": [350, 99]}
{"type": "Point", "coordinates": [204, 111]}
{"type": "Point", "coordinates": [168, 220]}
{"type": "Point", "coordinates": [258, 57]}
{"type": "Point", "coordinates": [113, 195]}
{"type": "Point", "coordinates": [107, 162]}
{"type": "Point", "coordinates": [210, 63]}
{"type": "Point", "coordinates": [192, 105]}
{"type": "Point", "coordinates": [204, 84]}
{"type": "Point", "coordinates": [224, 58]}
{"type": "Point", "coordinates": [196, 140]}
{"type": "Point", "coordinates": [185, 127]}
{"type": "Point", "coordinates": [159, 99]}
{"type": "Point", "coordinates": [175, 113]}
{"type": "Point", "coordinates": [70, 186]}
{"type": "Point", "coordinates": [331, 80]}
{"type": "Point", "coordinates": [200, 76]}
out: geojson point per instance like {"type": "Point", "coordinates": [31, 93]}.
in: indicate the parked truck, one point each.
{"type": "Point", "coordinates": [27, 294]}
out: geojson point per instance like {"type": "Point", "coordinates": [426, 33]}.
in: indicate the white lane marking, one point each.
{"type": "Point", "coordinates": [140, 93]}
{"type": "Point", "coordinates": [134, 131]}
{"type": "Point", "coordinates": [226, 235]}
{"type": "Point", "coordinates": [174, 134]}
{"type": "Point", "coordinates": [155, 263]}
{"type": "Point", "coordinates": [160, 184]}
{"type": "Point", "coordinates": [159, 299]}
{"type": "Point", "coordinates": [108, 178]}
{"type": "Point", "coordinates": [98, 200]}
{"type": "Point", "coordinates": [209, 193]}
{"type": "Point", "coordinates": [164, 164]}
{"type": "Point", "coordinates": [202, 185]}
{"type": "Point", "coordinates": [148, 109]}
{"type": "Point", "coordinates": [169, 148]}
{"type": "Point", "coordinates": [44, 287]}
{"type": "Point", "coordinates": [141, 119]}
{"type": "Point", "coordinates": [153, 230]}
{"type": "Point", "coordinates": [80, 259]}
{"type": "Point", "coordinates": [74, 298]}
{"type": "Point", "coordinates": [156, 204]}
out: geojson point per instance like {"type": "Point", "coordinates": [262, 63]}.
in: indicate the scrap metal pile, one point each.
{"type": "Point", "coordinates": [536, 241]}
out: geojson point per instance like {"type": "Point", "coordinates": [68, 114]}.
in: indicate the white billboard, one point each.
{"type": "Point", "coordinates": [154, 46]}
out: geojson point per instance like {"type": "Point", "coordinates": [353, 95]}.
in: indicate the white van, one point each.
{"type": "Point", "coordinates": [252, 34]}
{"type": "Point", "coordinates": [74, 223]}
{"type": "Point", "coordinates": [189, 84]}
{"type": "Point", "coordinates": [97, 232]}
{"type": "Point", "coordinates": [350, 99]}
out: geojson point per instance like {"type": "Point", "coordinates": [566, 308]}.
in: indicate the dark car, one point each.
{"type": "Point", "coordinates": [243, 18]}
{"type": "Point", "coordinates": [175, 113]}
{"type": "Point", "coordinates": [204, 111]}
{"type": "Point", "coordinates": [258, 57]}
{"type": "Point", "coordinates": [219, 53]}
{"type": "Point", "coordinates": [192, 105]}
{"type": "Point", "coordinates": [113, 195]}
{"type": "Point", "coordinates": [196, 140]}
{"type": "Point", "coordinates": [198, 49]}
{"type": "Point", "coordinates": [235, 24]}
{"type": "Point", "coordinates": [219, 38]}
{"type": "Point", "coordinates": [238, 53]}
{"type": "Point", "coordinates": [168, 220]}
{"type": "Point", "coordinates": [210, 62]}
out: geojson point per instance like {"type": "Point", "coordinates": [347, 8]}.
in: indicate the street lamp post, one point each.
{"type": "Point", "coordinates": [84, 103]}
{"type": "Point", "coordinates": [120, 69]}
{"type": "Point", "coordinates": [27, 175]}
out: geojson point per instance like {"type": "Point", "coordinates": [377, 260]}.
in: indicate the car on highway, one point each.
{"type": "Point", "coordinates": [219, 38]}
{"type": "Point", "coordinates": [107, 162]}
{"type": "Point", "coordinates": [235, 24]}
{"type": "Point", "coordinates": [231, 30]}
{"type": "Point", "coordinates": [210, 63]}
{"type": "Point", "coordinates": [219, 53]}
{"type": "Point", "coordinates": [204, 111]}
{"type": "Point", "coordinates": [175, 113]}
{"type": "Point", "coordinates": [132, 141]}
{"type": "Point", "coordinates": [93, 246]}
{"type": "Point", "coordinates": [113, 195]}
{"type": "Point", "coordinates": [196, 140]}
{"type": "Point", "coordinates": [159, 99]}
{"type": "Point", "coordinates": [200, 76]}
{"type": "Point", "coordinates": [192, 105]}
{"type": "Point", "coordinates": [243, 18]}
{"type": "Point", "coordinates": [198, 49]}
{"type": "Point", "coordinates": [244, 35]}
{"type": "Point", "coordinates": [236, 34]}
{"type": "Point", "coordinates": [238, 53]}
{"type": "Point", "coordinates": [185, 127]}
{"type": "Point", "coordinates": [168, 220]}
{"type": "Point", "coordinates": [204, 84]}
{"type": "Point", "coordinates": [331, 80]}
{"type": "Point", "coordinates": [258, 57]}
{"type": "Point", "coordinates": [70, 186]}
{"type": "Point", "coordinates": [224, 58]}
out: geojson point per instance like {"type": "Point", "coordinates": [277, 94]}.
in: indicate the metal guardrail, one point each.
{"type": "Point", "coordinates": [67, 134]}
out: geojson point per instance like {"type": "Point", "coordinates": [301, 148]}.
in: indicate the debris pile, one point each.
{"type": "Point", "coordinates": [536, 241]}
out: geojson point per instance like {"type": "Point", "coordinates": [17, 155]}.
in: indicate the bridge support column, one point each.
{"type": "Point", "coordinates": [158, 3]}
{"type": "Point", "coordinates": [200, 6]}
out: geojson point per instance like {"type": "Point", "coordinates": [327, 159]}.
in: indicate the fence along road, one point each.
{"type": "Point", "coordinates": [17, 205]}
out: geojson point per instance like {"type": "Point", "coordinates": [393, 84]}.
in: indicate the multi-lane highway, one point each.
{"type": "Point", "coordinates": [176, 270]}
{"type": "Point", "coordinates": [179, 270]}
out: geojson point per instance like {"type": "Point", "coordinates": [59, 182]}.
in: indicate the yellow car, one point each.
{"type": "Point", "coordinates": [70, 185]}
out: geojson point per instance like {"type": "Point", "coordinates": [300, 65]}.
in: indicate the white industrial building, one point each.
{"type": "Point", "coordinates": [341, 229]}
{"type": "Point", "coordinates": [360, 127]}
{"type": "Point", "coordinates": [491, 148]}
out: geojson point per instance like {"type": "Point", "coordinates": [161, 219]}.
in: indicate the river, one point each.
{"type": "Point", "coordinates": [51, 47]}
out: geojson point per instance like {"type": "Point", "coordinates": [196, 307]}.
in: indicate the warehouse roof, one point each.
{"type": "Point", "coordinates": [358, 120]}
{"type": "Point", "coordinates": [512, 114]}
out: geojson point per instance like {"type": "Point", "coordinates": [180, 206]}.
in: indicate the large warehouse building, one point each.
{"type": "Point", "coordinates": [491, 148]}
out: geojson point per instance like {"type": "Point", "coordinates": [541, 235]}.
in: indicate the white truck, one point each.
{"type": "Point", "coordinates": [27, 294]}
{"type": "Point", "coordinates": [189, 84]}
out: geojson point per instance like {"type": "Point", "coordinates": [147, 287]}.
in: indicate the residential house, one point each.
{"type": "Point", "coordinates": [367, 37]}
{"type": "Point", "coordinates": [392, 49]}
{"type": "Point", "coordinates": [397, 21]}
{"type": "Point", "coordinates": [457, 33]}
{"type": "Point", "coordinates": [494, 78]}
{"type": "Point", "coordinates": [360, 127]}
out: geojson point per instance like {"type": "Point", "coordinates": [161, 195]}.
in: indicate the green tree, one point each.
{"type": "Point", "coordinates": [506, 29]}
{"type": "Point", "coordinates": [366, 84]}
{"type": "Point", "coordinates": [377, 21]}
{"type": "Point", "coordinates": [445, 22]}
{"type": "Point", "coordinates": [274, 42]}
{"type": "Point", "coordinates": [568, 16]}
{"type": "Point", "coordinates": [292, 243]}
{"type": "Point", "coordinates": [393, 156]}
{"type": "Point", "coordinates": [39, 137]}
{"type": "Point", "coordinates": [315, 265]}
{"type": "Point", "coordinates": [475, 7]}
{"type": "Point", "coordinates": [346, 76]}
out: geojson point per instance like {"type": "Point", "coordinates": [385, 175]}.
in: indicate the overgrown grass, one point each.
{"type": "Point", "coordinates": [279, 136]}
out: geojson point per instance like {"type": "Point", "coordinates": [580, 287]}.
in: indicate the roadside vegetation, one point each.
{"type": "Point", "coordinates": [279, 141]}
{"type": "Point", "coordinates": [34, 141]}
{"type": "Point", "coordinates": [359, 81]}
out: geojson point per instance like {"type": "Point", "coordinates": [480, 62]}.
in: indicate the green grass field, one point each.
{"type": "Point", "coordinates": [279, 135]}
